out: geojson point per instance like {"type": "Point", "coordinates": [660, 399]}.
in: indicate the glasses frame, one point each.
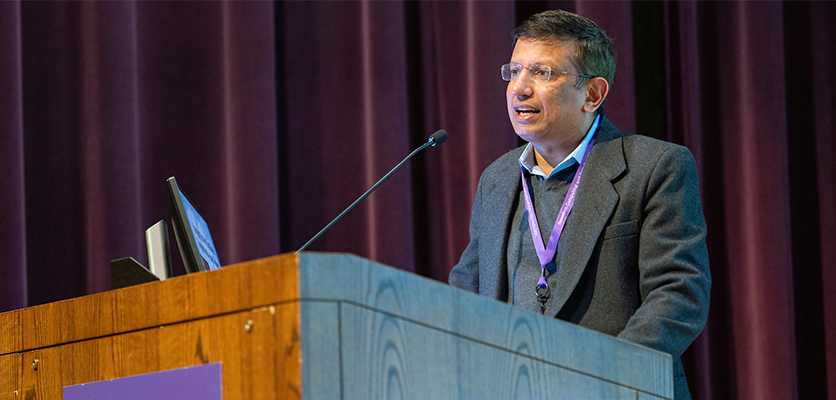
{"type": "Point", "coordinates": [532, 77]}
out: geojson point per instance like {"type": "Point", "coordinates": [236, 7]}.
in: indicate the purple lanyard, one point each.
{"type": "Point", "coordinates": [546, 254]}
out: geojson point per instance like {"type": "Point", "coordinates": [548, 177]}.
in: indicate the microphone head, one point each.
{"type": "Point", "coordinates": [439, 137]}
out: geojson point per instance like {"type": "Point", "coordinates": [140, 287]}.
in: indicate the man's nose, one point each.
{"type": "Point", "coordinates": [522, 86]}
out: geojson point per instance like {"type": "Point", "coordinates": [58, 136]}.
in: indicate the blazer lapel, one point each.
{"type": "Point", "coordinates": [596, 200]}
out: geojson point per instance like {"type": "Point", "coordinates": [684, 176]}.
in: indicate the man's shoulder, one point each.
{"type": "Point", "coordinates": [641, 147]}
{"type": "Point", "coordinates": [640, 144]}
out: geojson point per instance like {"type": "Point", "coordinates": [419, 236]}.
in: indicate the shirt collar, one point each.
{"type": "Point", "coordinates": [527, 158]}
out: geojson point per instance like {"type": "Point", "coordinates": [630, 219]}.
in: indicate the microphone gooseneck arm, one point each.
{"type": "Point", "coordinates": [437, 138]}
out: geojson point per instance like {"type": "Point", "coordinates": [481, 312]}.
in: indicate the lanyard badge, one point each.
{"type": "Point", "coordinates": [546, 253]}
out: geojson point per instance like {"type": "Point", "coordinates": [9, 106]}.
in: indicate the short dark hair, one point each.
{"type": "Point", "coordinates": [595, 50]}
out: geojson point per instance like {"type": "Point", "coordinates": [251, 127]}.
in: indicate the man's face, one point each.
{"type": "Point", "coordinates": [546, 113]}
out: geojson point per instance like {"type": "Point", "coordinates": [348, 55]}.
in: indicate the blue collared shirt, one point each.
{"type": "Point", "coordinates": [528, 162]}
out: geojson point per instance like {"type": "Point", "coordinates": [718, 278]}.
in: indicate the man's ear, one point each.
{"type": "Point", "coordinates": [596, 90]}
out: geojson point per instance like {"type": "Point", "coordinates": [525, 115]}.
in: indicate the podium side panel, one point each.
{"type": "Point", "coordinates": [393, 358]}
{"type": "Point", "coordinates": [248, 356]}
{"type": "Point", "coordinates": [321, 364]}
{"type": "Point", "coordinates": [10, 366]}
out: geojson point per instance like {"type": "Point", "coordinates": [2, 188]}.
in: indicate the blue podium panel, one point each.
{"type": "Point", "coordinates": [396, 335]}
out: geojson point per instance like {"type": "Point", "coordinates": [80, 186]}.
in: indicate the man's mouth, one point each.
{"type": "Point", "coordinates": [524, 111]}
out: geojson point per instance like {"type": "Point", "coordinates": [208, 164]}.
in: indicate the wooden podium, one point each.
{"type": "Point", "coordinates": [321, 326]}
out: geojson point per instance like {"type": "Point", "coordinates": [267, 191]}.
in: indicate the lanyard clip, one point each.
{"type": "Point", "coordinates": [542, 291]}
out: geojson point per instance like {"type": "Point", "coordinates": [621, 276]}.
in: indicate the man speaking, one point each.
{"type": "Point", "coordinates": [586, 223]}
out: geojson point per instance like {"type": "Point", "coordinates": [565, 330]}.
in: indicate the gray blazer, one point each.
{"type": "Point", "coordinates": [632, 259]}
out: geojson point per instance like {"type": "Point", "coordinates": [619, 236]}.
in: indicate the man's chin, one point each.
{"type": "Point", "coordinates": [527, 135]}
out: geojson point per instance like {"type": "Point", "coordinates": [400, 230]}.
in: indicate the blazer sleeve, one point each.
{"type": "Point", "coordinates": [674, 277]}
{"type": "Point", "coordinates": [465, 274]}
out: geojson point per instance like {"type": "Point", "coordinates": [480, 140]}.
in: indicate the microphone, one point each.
{"type": "Point", "coordinates": [436, 139]}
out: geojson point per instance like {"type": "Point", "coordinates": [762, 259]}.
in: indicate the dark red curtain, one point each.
{"type": "Point", "coordinates": [275, 116]}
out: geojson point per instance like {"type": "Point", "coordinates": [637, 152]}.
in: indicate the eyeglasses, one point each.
{"type": "Point", "coordinates": [537, 72]}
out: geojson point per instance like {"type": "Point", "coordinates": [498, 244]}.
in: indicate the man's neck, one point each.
{"type": "Point", "coordinates": [545, 164]}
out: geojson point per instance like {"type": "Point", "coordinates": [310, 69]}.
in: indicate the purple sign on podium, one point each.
{"type": "Point", "coordinates": [202, 382]}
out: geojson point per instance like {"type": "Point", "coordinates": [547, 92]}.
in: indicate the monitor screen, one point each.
{"type": "Point", "coordinates": [192, 233]}
{"type": "Point", "coordinates": [200, 230]}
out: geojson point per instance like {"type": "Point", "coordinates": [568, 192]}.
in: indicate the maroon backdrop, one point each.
{"type": "Point", "coordinates": [275, 116]}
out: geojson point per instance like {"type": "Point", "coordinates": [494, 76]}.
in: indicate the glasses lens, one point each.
{"type": "Point", "coordinates": [510, 71]}
{"type": "Point", "coordinates": [540, 73]}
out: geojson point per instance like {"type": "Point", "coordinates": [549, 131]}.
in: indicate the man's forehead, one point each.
{"type": "Point", "coordinates": [551, 49]}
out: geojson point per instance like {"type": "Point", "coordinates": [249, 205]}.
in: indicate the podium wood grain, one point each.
{"type": "Point", "coordinates": [238, 287]}
{"type": "Point", "coordinates": [180, 322]}
{"type": "Point", "coordinates": [9, 373]}
{"type": "Point", "coordinates": [249, 359]}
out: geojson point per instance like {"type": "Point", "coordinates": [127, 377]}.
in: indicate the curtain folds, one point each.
{"type": "Point", "coordinates": [13, 273]}
{"type": "Point", "coordinates": [276, 116]}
